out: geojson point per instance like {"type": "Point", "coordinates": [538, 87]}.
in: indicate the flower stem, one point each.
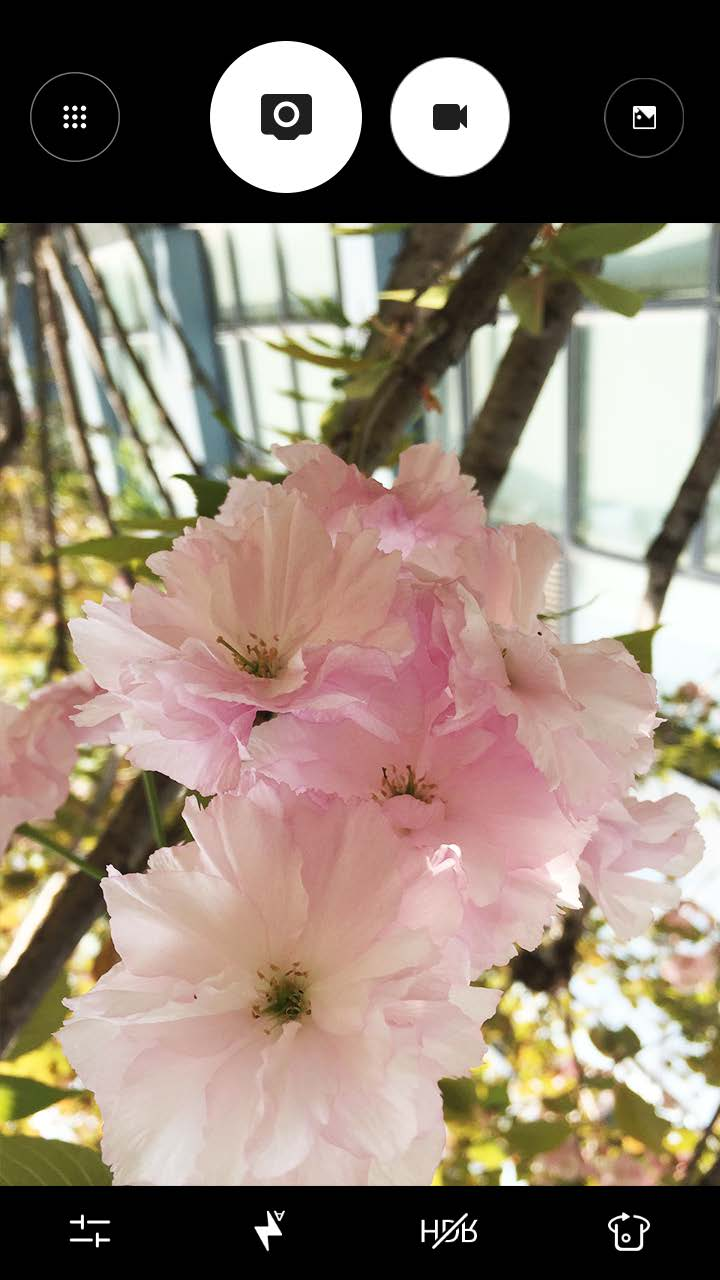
{"type": "Point", "coordinates": [156, 821]}
{"type": "Point", "coordinates": [32, 833]}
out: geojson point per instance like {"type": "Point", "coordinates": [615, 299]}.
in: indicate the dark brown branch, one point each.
{"type": "Point", "coordinates": [126, 845]}
{"type": "Point", "coordinates": [65, 287]}
{"type": "Point", "coordinates": [441, 341]}
{"type": "Point", "coordinates": [59, 659]}
{"type": "Point", "coordinates": [430, 249]}
{"type": "Point", "coordinates": [697, 1154]}
{"type": "Point", "coordinates": [663, 554]}
{"type": "Point", "coordinates": [12, 418]}
{"type": "Point", "coordinates": [98, 292]}
{"type": "Point", "coordinates": [551, 965]}
{"type": "Point", "coordinates": [521, 374]}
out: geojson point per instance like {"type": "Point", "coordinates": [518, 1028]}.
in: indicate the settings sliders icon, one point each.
{"type": "Point", "coordinates": [272, 1228]}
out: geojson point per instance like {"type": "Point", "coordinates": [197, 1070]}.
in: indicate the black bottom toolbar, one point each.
{"type": "Point", "coordinates": [285, 1227]}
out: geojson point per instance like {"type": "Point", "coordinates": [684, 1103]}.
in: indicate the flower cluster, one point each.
{"type": "Point", "coordinates": [411, 776]}
{"type": "Point", "coordinates": [38, 750]}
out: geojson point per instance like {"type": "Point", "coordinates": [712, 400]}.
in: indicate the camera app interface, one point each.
{"type": "Point", "coordinates": [359, 661]}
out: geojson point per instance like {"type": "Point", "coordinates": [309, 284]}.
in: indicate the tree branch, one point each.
{"type": "Point", "coordinates": [430, 249]}
{"type": "Point", "coordinates": [65, 287]}
{"type": "Point", "coordinates": [12, 418]}
{"type": "Point", "coordinates": [97, 290]}
{"type": "Point", "coordinates": [441, 341]}
{"type": "Point", "coordinates": [126, 844]}
{"type": "Point", "coordinates": [519, 379]}
{"type": "Point", "coordinates": [59, 659]}
{"type": "Point", "coordinates": [664, 553]}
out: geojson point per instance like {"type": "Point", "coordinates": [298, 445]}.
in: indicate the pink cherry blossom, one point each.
{"type": "Point", "coordinates": [262, 614]}
{"type": "Point", "coordinates": [443, 781]}
{"type": "Point", "coordinates": [637, 836]}
{"type": "Point", "coordinates": [688, 971]}
{"type": "Point", "coordinates": [290, 990]}
{"type": "Point", "coordinates": [38, 750]}
{"type": "Point", "coordinates": [584, 712]}
{"type": "Point", "coordinates": [430, 511]}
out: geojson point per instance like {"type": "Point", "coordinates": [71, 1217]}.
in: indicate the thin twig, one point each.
{"type": "Point", "coordinates": [99, 293]}
{"type": "Point", "coordinates": [65, 286]}
{"type": "Point", "coordinates": [33, 833]}
{"type": "Point", "coordinates": [153, 803]}
{"type": "Point", "coordinates": [59, 659]}
{"type": "Point", "coordinates": [72, 410]}
{"type": "Point", "coordinates": [700, 1146]}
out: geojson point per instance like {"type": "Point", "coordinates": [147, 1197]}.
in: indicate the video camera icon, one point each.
{"type": "Point", "coordinates": [449, 115]}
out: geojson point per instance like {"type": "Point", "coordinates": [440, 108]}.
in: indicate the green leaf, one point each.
{"type": "Point", "coordinates": [209, 494]}
{"type": "Point", "coordinates": [327, 309]}
{"type": "Point", "coordinates": [616, 1044]}
{"type": "Point", "coordinates": [526, 296]}
{"type": "Point", "coordinates": [597, 239]}
{"type": "Point", "coordinates": [162, 524]}
{"type": "Point", "coordinates": [44, 1021]}
{"type": "Point", "coordinates": [635, 1117]}
{"type": "Point", "coordinates": [374, 229]}
{"type": "Point", "coordinates": [639, 644]}
{"type": "Point", "coordinates": [227, 424]}
{"type": "Point", "coordinates": [433, 298]}
{"type": "Point", "coordinates": [43, 1162]}
{"type": "Point", "coordinates": [459, 1097]}
{"type": "Point", "coordinates": [531, 1138]}
{"type": "Point", "coordinates": [295, 350]}
{"type": "Point", "coordinates": [20, 1096]}
{"type": "Point", "coordinates": [123, 549]}
{"type": "Point", "coordinates": [626, 302]}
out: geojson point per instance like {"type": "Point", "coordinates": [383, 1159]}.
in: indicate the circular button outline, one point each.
{"type": "Point", "coordinates": [655, 80]}
{"type": "Point", "coordinates": [70, 159]}
{"type": "Point", "coordinates": [423, 66]}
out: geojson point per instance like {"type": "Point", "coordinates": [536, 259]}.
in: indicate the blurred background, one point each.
{"type": "Point", "coordinates": [134, 355]}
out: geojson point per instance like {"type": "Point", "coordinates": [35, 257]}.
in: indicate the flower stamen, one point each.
{"type": "Point", "coordinates": [259, 659]}
{"type": "Point", "coordinates": [283, 996]}
{"type": "Point", "coordinates": [397, 782]}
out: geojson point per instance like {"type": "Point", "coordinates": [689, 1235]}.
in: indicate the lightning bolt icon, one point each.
{"type": "Point", "coordinates": [272, 1229]}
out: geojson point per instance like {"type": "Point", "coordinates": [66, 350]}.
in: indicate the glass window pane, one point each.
{"type": "Point", "coordinates": [217, 246]}
{"type": "Point", "coordinates": [446, 425]}
{"type": "Point", "coordinates": [675, 262]}
{"type": "Point", "coordinates": [257, 269]}
{"type": "Point", "coordinates": [641, 396]}
{"type": "Point", "coordinates": [712, 530]}
{"type": "Point", "coordinates": [315, 381]}
{"type": "Point", "coordinates": [271, 375]}
{"type": "Point", "coordinates": [534, 487]}
{"type": "Point", "coordinates": [241, 410]}
{"type": "Point", "coordinates": [308, 262]}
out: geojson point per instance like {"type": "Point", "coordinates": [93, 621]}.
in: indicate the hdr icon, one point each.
{"type": "Point", "coordinates": [448, 1231]}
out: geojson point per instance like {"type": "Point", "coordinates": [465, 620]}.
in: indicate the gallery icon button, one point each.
{"type": "Point", "coordinates": [285, 116]}
{"type": "Point", "coordinates": [449, 117]}
{"type": "Point", "coordinates": [74, 116]}
{"type": "Point", "coordinates": [644, 118]}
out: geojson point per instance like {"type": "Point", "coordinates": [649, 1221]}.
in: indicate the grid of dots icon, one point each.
{"type": "Point", "coordinates": [74, 117]}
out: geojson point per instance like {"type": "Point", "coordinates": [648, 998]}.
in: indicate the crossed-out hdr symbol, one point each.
{"type": "Point", "coordinates": [629, 1230]}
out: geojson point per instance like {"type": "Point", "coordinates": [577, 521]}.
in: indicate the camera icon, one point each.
{"type": "Point", "coordinates": [286, 115]}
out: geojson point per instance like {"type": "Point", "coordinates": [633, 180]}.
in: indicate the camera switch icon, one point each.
{"type": "Point", "coordinates": [449, 115]}
{"type": "Point", "coordinates": [286, 115]}
{"type": "Point", "coordinates": [629, 1230]}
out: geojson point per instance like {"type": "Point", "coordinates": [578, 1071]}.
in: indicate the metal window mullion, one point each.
{"type": "Point", "coordinates": [287, 314]}
{"type": "Point", "coordinates": [698, 542]}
